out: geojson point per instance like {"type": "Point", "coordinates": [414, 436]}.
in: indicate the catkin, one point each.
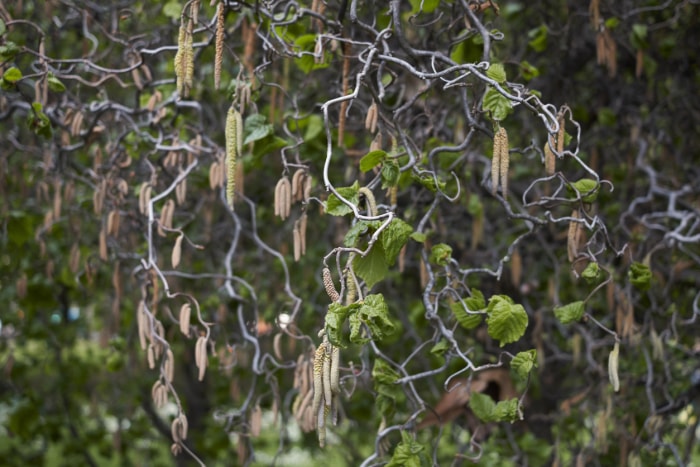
{"type": "Point", "coordinates": [318, 378]}
{"type": "Point", "coordinates": [561, 134]}
{"type": "Point", "coordinates": [327, 392]}
{"type": "Point", "coordinates": [219, 44]}
{"type": "Point", "coordinates": [330, 287]}
{"type": "Point", "coordinates": [297, 241]}
{"type": "Point", "coordinates": [549, 157]}
{"type": "Point", "coordinates": [371, 118]}
{"type": "Point", "coordinates": [144, 197]}
{"type": "Point", "coordinates": [188, 58]}
{"type": "Point", "coordinates": [169, 365]}
{"type": "Point", "coordinates": [200, 356]}
{"type": "Point", "coordinates": [177, 252]}
{"type": "Point", "coordinates": [369, 200]}
{"type": "Point", "coordinates": [178, 64]}
{"type": "Point", "coordinates": [613, 367]}
{"type": "Point", "coordinates": [302, 232]}
{"type": "Point", "coordinates": [234, 147]}
{"type": "Point", "coordinates": [573, 236]}
{"type": "Point", "coordinates": [113, 222]}
{"type": "Point", "coordinates": [504, 158]}
{"type": "Point", "coordinates": [142, 324]}
{"type": "Point", "coordinates": [103, 245]}
{"type": "Point", "coordinates": [283, 198]}
{"type": "Point", "coordinates": [495, 164]}
{"type": "Point", "coordinates": [185, 313]}
{"type": "Point", "coordinates": [335, 370]}
{"type": "Point", "coordinates": [298, 180]}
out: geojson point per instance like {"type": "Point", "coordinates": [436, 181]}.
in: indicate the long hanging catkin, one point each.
{"type": "Point", "coordinates": [234, 147]}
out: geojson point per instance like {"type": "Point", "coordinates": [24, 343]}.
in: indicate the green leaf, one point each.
{"type": "Point", "coordinates": [372, 267]}
{"type": "Point", "coordinates": [38, 122]}
{"type": "Point", "coordinates": [440, 254]}
{"type": "Point", "coordinates": [570, 313]}
{"type": "Point", "coordinates": [507, 411]}
{"type": "Point", "coordinates": [3, 28]}
{"type": "Point", "coordinates": [428, 6]}
{"type": "Point", "coordinates": [335, 319]}
{"type": "Point", "coordinates": [591, 273]}
{"type": "Point", "coordinates": [483, 406]}
{"type": "Point", "coordinates": [256, 128]}
{"type": "Point", "coordinates": [12, 75]}
{"type": "Point", "coordinates": [524, 362]}
{"type": "Point", "coordinates": [497, 73]}
{"type": "Point", "coordinates": [475, 207]}
{"type": "Point", "coordinates": [393, 238]}
{"type": "Point", "coordinates": [528, 70]}
{"type": "Point", "coordinates": [307, 62]}
{"type": "Point", "coordinates": [373, 313]}
{"type": "Point", "coordinates": [390, 174]}
{"type": "Point", "coordinates": [172, 9]}
{"type": "Point", "coordinates": [388, 393]}
{"type": "Point", "coordinates": [8, 51]}
{"type": "Point", "coordinates": [360, 228]}
{"type": "Point", "coordinates": [440, 348]}
{"type": "Point", "coordinates": [314, 127]}
{"type": "Point", "coordinates": [476, 301]}
{"type": "Point", "coordinates": [408, 453]}
{"type": "Point", "coordinates": [506, 321]}
{"type": "Point", "coordinates": [335, 207]}
{"type": "Point", "coordinates": [419, 237]}
{"type": "Point", "coordinates": [268, 145]}
{"type": "Point", "coordinates": [638, 36]}
{"type": "Point", "coordinates": [612, 22]}
{"type": "Point", "coordinates": [587, 187]}
{"type": "Point", "coordinates": [371, 159]}
{"type": "Point", "coordinates": [466, 320]}
{"type": "Point", "coordinates": [496, 104]}
{"type": "Point", "coordinates": [538, 38]}
{"type": "Point", "coordinates": [640, 276]}
{"type": "Point", "coordinates": [55, 84]}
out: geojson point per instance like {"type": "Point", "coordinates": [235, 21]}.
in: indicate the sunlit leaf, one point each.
{"type": "Point", "coordinates": [570, 313]}
{"type": "Point", "coordinates": [506, 321]}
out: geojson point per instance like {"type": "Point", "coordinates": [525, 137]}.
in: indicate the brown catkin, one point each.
{"type": "Point", "coordinates": [219, 56]}
{"type": "Point", "coordinates": [234, 146]}
{"type": "Point", "coordinates": [330, 287]}
{"type": "Point", "coordinates": [573, 236]}
{"type": "Point", "coordinates": [177, 252]}
{"type": "Point", "coordinates": [549, 157]}
{"type": "Point", "coordinates": [561, 134]}
{"type": "Point", "coordinates": [297, 241]}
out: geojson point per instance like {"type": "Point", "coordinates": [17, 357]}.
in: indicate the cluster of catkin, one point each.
{"type": "Point", "coordinates": [326, 386]}
{"type": "Point", "coordinates": [288, 192]}
{"type": "Point", "coordinates": [500, 162]}
{"type": "Point", "coordinates": [184, 58]}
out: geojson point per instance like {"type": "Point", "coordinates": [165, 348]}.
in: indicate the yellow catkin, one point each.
{"type": "Point", "coordinates": [234, 146]}
{"type": "Point", "coordinates": [502, 135]}
{"type": "Point", "coordinates": [318, 378]}
{"type": "Point", "coordinates": [179, 61]}
{"type": "Point", "coordinates": [219, 56]}
{"type": "Point", "coordinates": [370, 201]}
{"type": "Point", "coordinates": [335, 369]}
{"type": "Point", "coordinates": [500, 162]}
{"type": "Point", "coordinates": [613, 366]}
{"type": "Point", "coordinates": [188, 60]}
{"type": "Point", "coordinates": [185, 313]}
